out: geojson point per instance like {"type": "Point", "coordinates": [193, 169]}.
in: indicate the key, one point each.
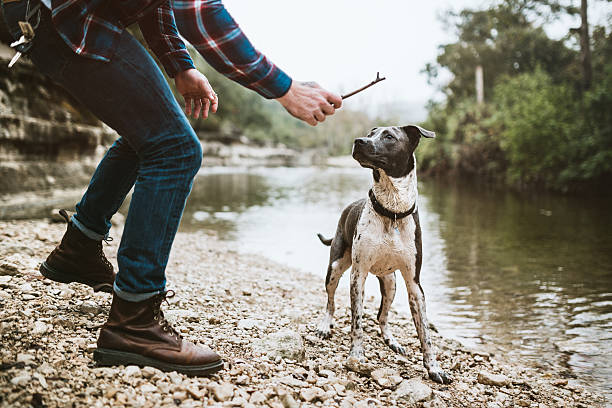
{"type": "Point", "coordinates": [21, 40]}
{"type": "Point", "coordinates": [15, 58]}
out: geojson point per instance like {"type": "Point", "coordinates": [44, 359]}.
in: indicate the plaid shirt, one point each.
{"type": "Point", "coordinates": [92, 28]}
{"type": "Point", "coordinates": [208, 26]}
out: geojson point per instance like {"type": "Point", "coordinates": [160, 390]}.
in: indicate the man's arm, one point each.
{"type": "Point", "coordinates": [159, 30]}
{"type": "Point", "coordinates": [217, 37]}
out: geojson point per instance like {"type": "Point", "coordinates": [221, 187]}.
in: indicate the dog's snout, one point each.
{"type": "Point", "coordinates": [361, 141]}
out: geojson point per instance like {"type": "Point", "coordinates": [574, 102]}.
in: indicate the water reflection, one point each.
{"type": "Point", "coordinates": [530, 275]}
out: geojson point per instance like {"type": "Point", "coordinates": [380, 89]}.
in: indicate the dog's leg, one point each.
{"type": "Point", "coordinates": [387, 292]}
{"type": "Point", "coordinates": [334, 273]}
{"type": "Point", "coordinates": [419, 316]}
{"type": "Point", "coordinates": [358, 277]}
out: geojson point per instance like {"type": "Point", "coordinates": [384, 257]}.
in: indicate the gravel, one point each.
{"type": "Point", "coordinates": [260, 316]}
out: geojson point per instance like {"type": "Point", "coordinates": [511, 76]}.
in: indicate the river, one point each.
{"type": "Point", "coordinates": [524, 275]}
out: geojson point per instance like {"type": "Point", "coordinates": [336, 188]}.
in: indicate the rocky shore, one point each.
{"type": "Point", "coordinates": [261, 316]}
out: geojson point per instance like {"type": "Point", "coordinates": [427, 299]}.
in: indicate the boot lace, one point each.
{"type": "Point", "coordinates": [101, 252]}
{"type": "Point", "coordinates": [159, 315]}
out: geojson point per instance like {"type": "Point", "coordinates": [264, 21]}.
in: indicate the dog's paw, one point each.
{"type": "Point", "coordinates": [440, 376]}
{"type": "Point", "coordinates": [324, 334]}
{"type": "Point", "coordinates": [356, 353]}
{"type": "Point", "coordinates": [396, 347]}
{"type": "Point", "coordinates": [324, 328]}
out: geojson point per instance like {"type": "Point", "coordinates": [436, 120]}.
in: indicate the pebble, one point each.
{"type": "Point", "coordinates": [131, 371]}
{"type": "Point", "coordinates": [497, 380]}
{"type": "Point", "coordinates": [282, 344]}
{"type": "Point", "coordinates": [282, 373]}
{"type": "Point", "coordinates": [386, 377]}
{"type": "Point", "coordinates": [89, 307]}
{"type": "Point", "coordinates": [222, 392]}
{"type": "Point", "coordinates": [358, 366]}
{"type": "Point", "coordinates": [40, 328]}
{"type": "Point", "coordinates": [311, 394]}
{"type": "Point", "coordinates": [22, 379]}
{"type": "Point", "coordinates": [412, 391]}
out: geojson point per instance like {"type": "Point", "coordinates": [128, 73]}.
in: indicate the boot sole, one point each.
{"type": "Point", "coordinates": [63, 277]}
{"type": "Point", "coordinates": [108, 357]}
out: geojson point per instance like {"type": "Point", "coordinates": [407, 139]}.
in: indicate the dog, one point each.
{"type": "Point", "coordinates": [379, 235]}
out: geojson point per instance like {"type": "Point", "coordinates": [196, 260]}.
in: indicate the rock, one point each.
{"type": "Point", "coordinates": [22, 379]}
{"type": "Point", "coordinates": [435, 403]}
{"type": "Point", "coordinates": [179, 396]}
{"type": "Point", "coordinates": [27, 359]}
{"type": "Point", "coordinates": [147, 388]}
{"type": "Point", "coordinates": [41, 379]}
{"type": "Point", "coordinates": [248, 324]}
{"type": "Point", "coordinates": [40, 328]}
{"type": "Point", "coordinates": [292, 382]}
{"type": "Point", "coordinates": [368, 403]}
{"type": "Point", "coordinates": [497, 380]}
{"type": "Point", "coordinates": [67, 293]}
{"type": "Point", "coordinates": [286, 344]}
{"type": "Point", "coordinates": [386, 377]}
{"type": "Point", "coordinates": [194, 392]}
{"type": "Point", "coordinates": [8, 269]}
{"type": "Point", "coordinates": [222, 392]}
{"type": "Point", "coordinates": [311, 394]}
{"type": "Point", "coordinates": [131, 371]}
{"type": "Point", "coordinates": [175, 378]}
{"type": "Point", "coordinates": [288, 401]}
{"type": "Point", "coordinates": [257, 398]}
{"type": "Point", "coordinates": [148, 372]}
{"type": "Point", "coordinates": [89, 307]}
{"type": "Point", "coordinates": [358, 366]}
{"type": "Point", "coordinates": [327, 374]}
{"type": "Point", "coordinates": [411, 392]}
{"type": "Point", "coordinates": [64, 322]}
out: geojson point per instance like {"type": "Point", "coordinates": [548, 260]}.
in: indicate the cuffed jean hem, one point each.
{"type": "Point", "coordinates": [88, 233]}
{"type": "Point", "coordinates": [134, 297]}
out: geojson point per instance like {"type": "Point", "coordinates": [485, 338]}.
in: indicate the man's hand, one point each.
{"type": "Point", "coordinates": [309, 102]}
{"type": "Point", "coordinates": [197, 92]}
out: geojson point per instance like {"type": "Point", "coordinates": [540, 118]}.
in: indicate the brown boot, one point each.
{"type": "Point", "coordinates": [79, 259]}
{"type": "Point", "coordinates": [137, 333]}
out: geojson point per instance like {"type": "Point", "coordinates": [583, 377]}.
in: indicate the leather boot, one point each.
{"type": "Point", "coordinates": [137, 333]}
{"type": "Point", "coordinates": [79, 259]}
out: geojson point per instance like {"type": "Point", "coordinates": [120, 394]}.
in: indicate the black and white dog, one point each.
{"type": "Point", "coordinates": [381, 234]}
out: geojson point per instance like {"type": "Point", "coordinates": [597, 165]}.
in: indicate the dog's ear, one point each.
{"type": "Point", "coordinates": [422, 132]}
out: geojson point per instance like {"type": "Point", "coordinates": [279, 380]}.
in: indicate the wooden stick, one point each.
{"type": "Point", "coordinates": [377, 80]}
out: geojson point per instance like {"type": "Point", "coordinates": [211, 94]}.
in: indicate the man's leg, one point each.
{"type": "Point", "coordinates": [130, 95]}
{"type": "Point", "coordinates": [119, 168]}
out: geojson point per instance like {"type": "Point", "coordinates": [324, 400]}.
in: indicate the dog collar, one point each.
{"type": "Point", "coordinates": [381, 210]}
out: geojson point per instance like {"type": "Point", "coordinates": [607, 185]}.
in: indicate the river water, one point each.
{"type": "Point", "coordinates": [525, 275]}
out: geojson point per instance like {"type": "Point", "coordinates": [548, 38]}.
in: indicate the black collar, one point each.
{"type": "Point", "coordinates": [381, 210]}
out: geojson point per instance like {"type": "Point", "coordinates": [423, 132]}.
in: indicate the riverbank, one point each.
{"type": "Point", "coordinates": [237, 304]}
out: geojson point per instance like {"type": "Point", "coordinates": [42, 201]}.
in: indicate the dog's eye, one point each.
{"type": "Point", "coordinates": [389, 136]}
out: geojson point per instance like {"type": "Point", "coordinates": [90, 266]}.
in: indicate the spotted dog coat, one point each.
{"type": "Point", "coordinates": [382, 240]}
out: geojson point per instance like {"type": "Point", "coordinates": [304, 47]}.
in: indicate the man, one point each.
{"type": "Point", "coordinates": [83, 46]}
{"type": "Point", "coordinates": [208, 26]}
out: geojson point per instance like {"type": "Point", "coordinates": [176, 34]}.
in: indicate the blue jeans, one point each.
{"type": "Point", "coordinates": [157, 152]}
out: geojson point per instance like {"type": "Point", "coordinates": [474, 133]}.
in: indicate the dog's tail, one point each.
{"type": "Point", "coordinates": [326, 242]}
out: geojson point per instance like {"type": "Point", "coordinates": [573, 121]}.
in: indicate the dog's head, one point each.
{"type": "Point", "coordinates": [390, 148]}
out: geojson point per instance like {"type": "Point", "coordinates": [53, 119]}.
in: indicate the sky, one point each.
{"type": "Point", "coordinates": [341, 44]}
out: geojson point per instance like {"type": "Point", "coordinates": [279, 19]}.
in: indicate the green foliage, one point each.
{"type": "Point", "coordinates": [537, 127]}
{"type": "Point", "coordinates": [538, 119]}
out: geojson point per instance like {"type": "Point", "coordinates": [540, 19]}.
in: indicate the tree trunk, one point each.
{"type": "Point", "coordinates": [585, 47]}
